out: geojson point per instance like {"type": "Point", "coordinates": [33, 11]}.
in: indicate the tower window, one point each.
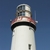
{"type": "Point", "coordinates": [29, 46]}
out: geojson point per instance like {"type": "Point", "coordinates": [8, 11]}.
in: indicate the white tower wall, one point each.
{"type": "Point", "coordinates": [22, 37]}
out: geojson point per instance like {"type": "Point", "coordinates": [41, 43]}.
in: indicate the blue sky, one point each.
{"type": "Point", "coordinates": [42, 34]}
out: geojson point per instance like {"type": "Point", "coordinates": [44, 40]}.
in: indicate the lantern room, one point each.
{"type": "Point", "coordinates": [23, 10]}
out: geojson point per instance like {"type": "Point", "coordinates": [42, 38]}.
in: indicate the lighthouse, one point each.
{"type": "Point", "coordinates": [23, 28]}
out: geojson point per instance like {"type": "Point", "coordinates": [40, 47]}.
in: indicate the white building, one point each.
{"type": "Point", "coordinates": [23, 27]}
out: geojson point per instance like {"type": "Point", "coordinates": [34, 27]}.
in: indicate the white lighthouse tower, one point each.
{"type": "Point", "coordinates": [23, 28]}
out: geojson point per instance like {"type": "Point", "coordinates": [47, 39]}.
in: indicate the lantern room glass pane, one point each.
{"type": "Point", "coordinates": [21, 13]}
{"type": "Point", "coordinates": [18, 14]}
{"type": "Point", "coordinates": [21, 7]}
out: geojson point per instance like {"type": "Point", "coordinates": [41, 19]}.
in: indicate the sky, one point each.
{"type": "Point", "coordinates": [42, 33]}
